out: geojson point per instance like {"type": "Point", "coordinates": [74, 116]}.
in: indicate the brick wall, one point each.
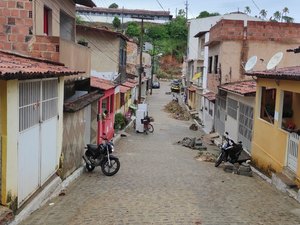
{"type": "Point", "coordinates": [16, 25]}
{"type": "Point", "coordinates": [16, 31]}
{"type": "Point", "coordinates": [255, 31]}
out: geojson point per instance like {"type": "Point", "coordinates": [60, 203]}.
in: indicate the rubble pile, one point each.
{"type": "Point", "coordinates": [206, 157]}
{"type": "Point", "coordinates": [177, 111]}
{"type": "Point", "coordinates": [243, 169]}
{"type": "Point", "coordinates": [193, 143]}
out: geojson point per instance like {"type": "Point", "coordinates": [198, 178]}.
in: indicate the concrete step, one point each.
{"type": "Point", "coordinates": [288, 181]}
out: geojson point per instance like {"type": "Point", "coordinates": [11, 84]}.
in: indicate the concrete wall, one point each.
{"type": "Point", "coordinates": [269, 151]}
{"type": "Point", "coordinates": [105, 50]}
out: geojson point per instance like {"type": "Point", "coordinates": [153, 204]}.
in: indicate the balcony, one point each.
{"type": "Point", "coordinates": [75, 56]}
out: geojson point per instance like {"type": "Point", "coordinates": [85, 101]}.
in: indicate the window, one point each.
{"type": "Point", "coordinates": [211, 106]}
{"type": "Point", "coordinates": [122, 99]}
{"type": "Point", "coordinates": [267, 104]}
{"type": "Point", "coordinates": [216, 61]}
{"type": "Point", "coordinates": [47, 21]}
{"type": "Point", "coordinates": [67, 27]}
{"type": "Point", "coordinates": [290, 106]}
{"type": "Point", "coordinates": [111, 104]}
{"type": "Point", "coordinates": [104, 104]}
{"type": "Point", "coordinates": [232, 108]}
{"type": "Point", "coordinates": [210, 59]}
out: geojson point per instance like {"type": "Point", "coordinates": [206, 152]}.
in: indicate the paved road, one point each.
{"type": "Point", "coordinates": [162, 183]}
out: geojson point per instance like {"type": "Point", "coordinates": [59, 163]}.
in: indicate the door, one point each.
{"type": "Point", "coordinates": [292, 157]}
{"type": "Point", "coordinates": [245, 125]}
{"type": "Point", "coordinates": [37, 150]}
{"type": "Point", "coordinates": [220, 115]}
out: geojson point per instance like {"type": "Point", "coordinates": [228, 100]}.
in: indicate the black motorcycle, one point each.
{"type": "Point", "coordinates": [230, 151]}
{"type": "Point", "coordinates": [100, 155]}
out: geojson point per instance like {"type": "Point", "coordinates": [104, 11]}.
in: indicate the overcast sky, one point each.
{"type": "Point", "coordinates": [221, 6]}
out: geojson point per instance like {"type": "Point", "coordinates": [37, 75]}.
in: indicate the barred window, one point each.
{"type": "Point", "coordinates": [232, 108]}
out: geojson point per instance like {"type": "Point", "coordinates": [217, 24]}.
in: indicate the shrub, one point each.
{"type": "Point", "coordinates": [120, 121]}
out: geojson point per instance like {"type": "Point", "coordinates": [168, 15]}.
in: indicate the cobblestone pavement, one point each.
{"type": "Point", "coordinates": [162, 183]}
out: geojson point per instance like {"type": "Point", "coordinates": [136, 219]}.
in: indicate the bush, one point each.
{"type": "Point", "coordinates": [120, 121]}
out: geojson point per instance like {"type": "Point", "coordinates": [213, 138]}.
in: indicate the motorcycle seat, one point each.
{"type": "Point", "coordinates": [92, 146]}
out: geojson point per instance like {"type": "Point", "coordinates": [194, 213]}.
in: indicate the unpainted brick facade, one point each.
{"type": "Point", "coordinates": [235, 41]}
{"type": "Point", "coordinates": [16, 31]}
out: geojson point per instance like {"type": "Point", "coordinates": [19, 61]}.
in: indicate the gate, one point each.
{"type": "Point", "coordinates": [245, 125]}
{"type": "Point", "coordinates": [37, 148]}
{"type": "Point", "coordinates": [220, 115]}
{"type": "Point", "coordinates": [292, 158]}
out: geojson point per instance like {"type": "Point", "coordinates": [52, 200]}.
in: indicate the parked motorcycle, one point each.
{"type": "Point", "coordinates": [101, 155]}
{"type": "Point", "coordinates": [230, 151]}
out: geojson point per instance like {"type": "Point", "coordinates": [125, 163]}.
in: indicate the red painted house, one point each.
{"type": "Point", "coordinates": [106, 109]}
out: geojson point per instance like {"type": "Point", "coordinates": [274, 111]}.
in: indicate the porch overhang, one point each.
{"type": "Point", "coordinates": [88, 3]}
{"type": "Point", "coordinates": [14, 66]}
{"type": "Point", "coordinates": [210, 96]}
{"type": "Point", "coordinates": [287, 73]}
{"type": "Point", "coordinates": [242, 88]}
{"type": "Point", "coordinates": [81, 102]}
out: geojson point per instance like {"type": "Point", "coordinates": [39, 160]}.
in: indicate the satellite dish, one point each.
{"type": "Point", "coordinates": [250, 63]}
{"type": "Point", "coordinates": [275, 60]}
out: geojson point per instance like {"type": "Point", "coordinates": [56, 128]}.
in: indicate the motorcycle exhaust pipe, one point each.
{"type": "Point", "coordinates": [86, 160]}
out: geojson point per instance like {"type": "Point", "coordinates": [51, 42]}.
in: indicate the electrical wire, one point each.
{"type": "Point", "coordinates": [160, 5]}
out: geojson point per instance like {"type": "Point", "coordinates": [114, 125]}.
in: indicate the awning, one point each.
{"type": "Point", "coordinates": [191, 88]}
{"type": "Point", "coordinates": [197, 76]}
{"type": "Point", "coordinates": [124, 89]}
{"type": "Point", "coordinates": [210, 96]}
{"type": "Point", "coordinates": [129, 84]}
{"type": "Point", "coordinates": [101, 83]}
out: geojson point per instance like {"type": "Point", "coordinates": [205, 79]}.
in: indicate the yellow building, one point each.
{"type": "Point", "coordinates": [275, 142]}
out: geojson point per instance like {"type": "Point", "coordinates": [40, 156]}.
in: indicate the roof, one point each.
{"type": "Point", "coordinates": [120, 11]}
{"type": "Point", "coordinates": [13, 66]}
{"type": "Point", "coordinates": [244, 88]}
{"type": "Point", "coordinates": [88, 3]}
{"type": "Point", "coordinates": [81, 102]}
{"type": "Point", "coordinates": [287, 73]}
{"type": "Point", "coordinates": [100, 30]}
{"type": "Point", "coordinates": [211, 96]}
{"type": "Point", "coordinates": [101, 83]}
{"type": "Point", "coordinates": [192, 88]}
{"type": "Point", "coordinates": [129, 84]}
{"type": "Point", "coordinates": [201, 33]}
{"type": "Point", "coordinates": [124, 89]}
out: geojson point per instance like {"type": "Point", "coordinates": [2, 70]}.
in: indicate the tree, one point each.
{"type": "Point", "coordinates": [285, 11]}
{"type": "Point", "coordinates": [205, 14]}
{"type": "Point", "coordinates": [287, 19]}
{"type": "Point", "coordinates": [247, 10]}
{"type": "Point", "coordinates": [277, 16]}
{"type": "Point", "coordinates": [116, 22]}
{"type": "Point", "coordinates": [133, 29]}
{"type": "Point", "coordinates": [181, 12]}
{"type": "Point", "coordinates": [79, 20]}
{"type": "Point", "coordinates": [263, 13]}
{"type": "Point", "coordinates": [113, 6]}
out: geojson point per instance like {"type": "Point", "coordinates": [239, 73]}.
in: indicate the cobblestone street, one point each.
{"type": "Point", "coordinates": [160, 182]}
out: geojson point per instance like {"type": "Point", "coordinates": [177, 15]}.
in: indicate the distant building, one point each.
{"type": "Point", "coordinates": [107, 15]}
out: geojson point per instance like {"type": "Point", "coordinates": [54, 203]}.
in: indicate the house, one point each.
{"type": "Point", "coordinates": [231, 44]}
{"type": "Point", "coordinates": [33, 87]}
{"type": "Point", "coordinates": [197, 65]}
{"type": "Point", "coordinates": [275, 144]}
{"type": "Point", "coordinates": [107, 15]}
{"type": "Point", "coordinates": [108, 65]}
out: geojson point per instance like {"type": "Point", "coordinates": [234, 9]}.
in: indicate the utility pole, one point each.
{"type": "Point", "coordinates": [141, 68]}
{"type": "Point", "coordinates": [152, 67]}
{"type": "Point", "coordinates": [186, 9]}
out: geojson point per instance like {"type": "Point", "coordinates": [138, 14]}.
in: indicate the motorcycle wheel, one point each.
{"type": "Point", "coordinates": [89, 167]}
{"type": "Point", "coordinates": [112, 169]}
{"type": "Point", "coordinates": [150, 128]}
{"type": "Point", "coordinates": [219, 159]}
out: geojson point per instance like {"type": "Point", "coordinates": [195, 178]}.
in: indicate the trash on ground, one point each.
{"type": "Point", "coordinates": [52, 203]}
{"type": "Point", "coordinates": [240, 169]}
{"type": "Point", "coordinates": [194, 127]}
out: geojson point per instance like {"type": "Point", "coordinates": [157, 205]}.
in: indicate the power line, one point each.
{"type": "Point", "coordinates": [256, 5]}
{"type": "Point", "coordinates": [160, 5]}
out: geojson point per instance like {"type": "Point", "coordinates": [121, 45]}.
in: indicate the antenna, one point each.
{"type": "Point", "coordinates": [250, 63]}
{"type": "Point", "coordinates": [275, 60]}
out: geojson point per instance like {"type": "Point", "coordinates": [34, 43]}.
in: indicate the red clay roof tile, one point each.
{"type": "Point", "coordinates": [241, 87]}
{"type": "Point", "coordinates": [101, 83]}
{"type": "Point", "coordinates": [13, 66]}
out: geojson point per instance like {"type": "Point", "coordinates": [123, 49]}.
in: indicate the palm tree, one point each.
{"type": "Point", "coordinates": [285, 11]}
{"type": "Point", "coordinates": [277, 16]}
{"type": "Point", "coordinates": [263, 14]}
{"type": "Point", "coordinates": [247, 10]}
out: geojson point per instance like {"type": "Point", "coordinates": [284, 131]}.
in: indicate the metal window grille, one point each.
{"type": "Point", "coordinates": [232, 108]}
{"type": "Point", "coordinates": [38, 101]}
{"type": "Point", "coordinates": [246, 121]}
